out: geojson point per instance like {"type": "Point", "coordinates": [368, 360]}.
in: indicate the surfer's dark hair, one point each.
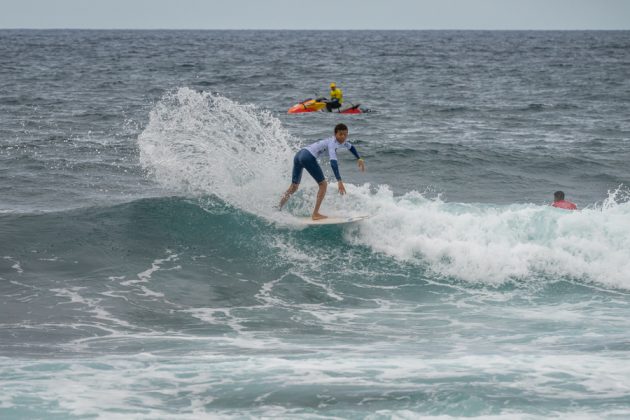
{"type": "Point", "coordinates": [340, 127]}
{"type": "Point", "coordinates": [558, 195]}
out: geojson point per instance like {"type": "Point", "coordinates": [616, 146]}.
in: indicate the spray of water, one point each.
{"type": "Point", "coordinates": [200, 144]}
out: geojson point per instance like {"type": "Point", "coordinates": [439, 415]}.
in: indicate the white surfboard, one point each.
{"type": "Point", "coordinates": [331, 220]}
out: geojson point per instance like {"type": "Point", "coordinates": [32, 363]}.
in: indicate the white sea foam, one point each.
{"type": "Point", "coordinates": [493, 244]}
{"type": "Point", "coordinates": [145, 276]}
{"type": "Point", "coordinates": [16, 264]}
{"type": "Point", "coordinates": [190, 385]}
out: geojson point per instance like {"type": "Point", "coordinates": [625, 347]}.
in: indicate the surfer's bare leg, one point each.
{"type": "Point", "coordinates": [320, 197]}
{"type": "Point", "coordinates": [293, 188]}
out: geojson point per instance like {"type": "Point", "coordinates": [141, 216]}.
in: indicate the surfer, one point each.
{"type": "Point", "coordinates": [307, 159]}
{"type": "Point", "coordinates": [336, 98]}
{"type": "Point", "coordinates": [561, 203]}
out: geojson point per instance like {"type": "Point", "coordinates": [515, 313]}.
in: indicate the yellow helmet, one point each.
{"type": "Point", "coordinates": [333, 85]}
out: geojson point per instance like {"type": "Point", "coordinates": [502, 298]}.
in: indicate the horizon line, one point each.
{"type": "Point", "coordinates": [314, 29]}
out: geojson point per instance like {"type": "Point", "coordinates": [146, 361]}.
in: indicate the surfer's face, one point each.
{"type": "Point", "coordinates": [341, 136]}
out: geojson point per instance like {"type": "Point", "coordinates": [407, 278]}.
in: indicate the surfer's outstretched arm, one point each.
{"type": "Point", "coordinates": [360, 161]}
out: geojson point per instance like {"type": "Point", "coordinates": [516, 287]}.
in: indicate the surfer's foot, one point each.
{"type": "Point", "coordinates": [317, 216]}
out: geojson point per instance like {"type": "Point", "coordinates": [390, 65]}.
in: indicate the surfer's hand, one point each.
{"type": "Point", "coordinates": [361, 164]}
{"type": "Point", "coordinates": [342, 189]}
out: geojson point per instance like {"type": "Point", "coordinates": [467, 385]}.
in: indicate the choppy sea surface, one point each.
{"type": "Point", "coordinates": [144, 272]}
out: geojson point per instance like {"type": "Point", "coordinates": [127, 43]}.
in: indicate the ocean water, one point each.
{"type": "Point", "coordinates": [144, 272]}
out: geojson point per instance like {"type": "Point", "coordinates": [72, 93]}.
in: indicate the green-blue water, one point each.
{"type": "Point", "coordinates": [145, 273]}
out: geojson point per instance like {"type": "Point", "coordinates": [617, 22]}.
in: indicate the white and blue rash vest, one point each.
{"type": "Point", "coordinates": [331, 145]}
